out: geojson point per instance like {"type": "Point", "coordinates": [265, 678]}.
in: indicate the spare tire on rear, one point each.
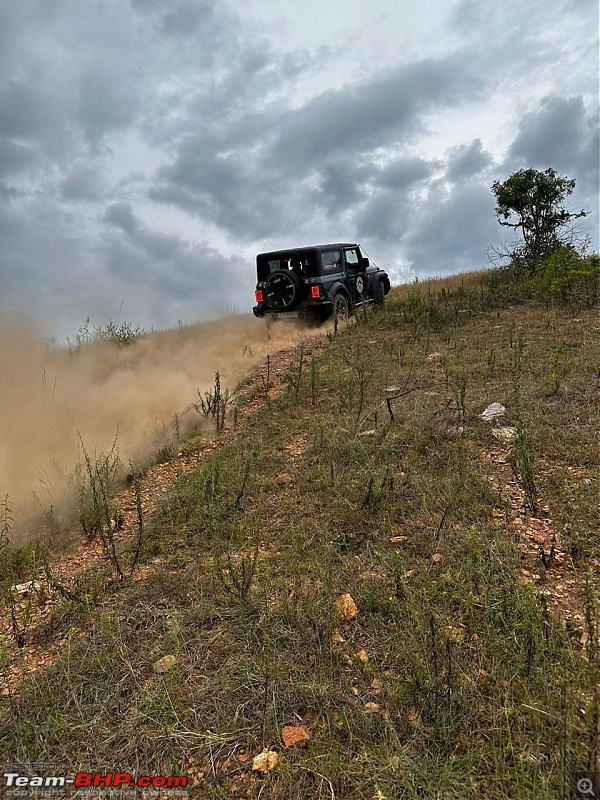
{"type": "Point", "coordinates": [283, 289]}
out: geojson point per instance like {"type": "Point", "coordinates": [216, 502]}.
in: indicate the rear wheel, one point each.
{"type": "Point", "coordinates": [341, 308]}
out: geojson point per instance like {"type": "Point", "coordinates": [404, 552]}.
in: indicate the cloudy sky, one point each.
{"type": "Point", "coordinates": [149, 148]}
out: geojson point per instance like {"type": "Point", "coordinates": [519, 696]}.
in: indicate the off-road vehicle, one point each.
{"type": "Point", "coordinates": [317, 282]}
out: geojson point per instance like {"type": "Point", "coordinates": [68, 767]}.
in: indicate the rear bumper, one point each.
{"type": "Point", "coordinates": [307, 310]}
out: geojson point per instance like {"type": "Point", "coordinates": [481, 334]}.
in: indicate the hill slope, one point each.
{"type": "Point", "coordinates": [463, 664]}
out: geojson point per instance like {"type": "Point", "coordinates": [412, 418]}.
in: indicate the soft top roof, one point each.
{"type": "Point", "coordinates": [315, 247]}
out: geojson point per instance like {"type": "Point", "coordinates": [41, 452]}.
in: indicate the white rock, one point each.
{"type": "Point", "coordinates": [493, 411]}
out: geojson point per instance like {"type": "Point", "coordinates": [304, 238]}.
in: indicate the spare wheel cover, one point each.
{"type": "Point", "coordinates": [282, 289]}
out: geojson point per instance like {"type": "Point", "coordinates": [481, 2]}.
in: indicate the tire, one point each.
{"type": "Point", "coordinates": [341, 308]}
{"type": "Point", "coordinates": [283, 289]}
{"type": "Point", "coordinates": [379, 293]}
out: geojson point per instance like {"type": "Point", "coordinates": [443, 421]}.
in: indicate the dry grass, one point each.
{"type": "Point", "coordinates": [464, 280]}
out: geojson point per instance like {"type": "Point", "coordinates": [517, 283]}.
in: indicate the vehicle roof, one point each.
{"type": "Point", "coordinates": [310, 247]}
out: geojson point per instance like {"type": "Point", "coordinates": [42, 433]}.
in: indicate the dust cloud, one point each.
{"type": "Point", "coordinates": [50, 396]}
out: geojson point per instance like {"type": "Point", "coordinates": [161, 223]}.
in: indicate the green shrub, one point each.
{"type": "Point", "coordinates": [120, 335]}
{"type": "Point", "coordinates": [566, 277]}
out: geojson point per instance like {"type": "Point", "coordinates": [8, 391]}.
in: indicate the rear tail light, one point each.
{"type": "Point", "coordinates": [258, 296]}
{"type": "Point", "coordinates": [315, 292]}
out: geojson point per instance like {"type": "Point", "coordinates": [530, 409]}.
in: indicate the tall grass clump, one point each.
{"type": "Point", "coordinates": [120, 335]}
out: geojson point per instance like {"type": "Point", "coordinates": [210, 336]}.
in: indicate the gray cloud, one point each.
{"type": "Point", "coordinates": [384, 218]}
{"type": "Point", "coordinates": [371, 114]}
{"type": "Point", "coordinates": [393, 200]}
{"type": "Point", "coordinates": [467, 160]}
{"type": "Point", "coordinates": [22, 111]}
{"type": "Point", "coordinates": [107, 101]}
{"type": "Point", "coordinates": [403, 172]}
{"type": "Point", "coordinates": [121, 216]}
{"type": "Point", "coordinates": [15, 157]}
{"type": "Point", "coordinates": [559, 133]}
{"type": "Point", "coordinates": [452, 230]}
{"type": "Point", "coordinates": [44, 256]}
{"type": "Point", "coordinates": [438, 215]}
{"type": "Point", "coordinates": [8, 192]}
{"type": "Point", "coordinates": [84, 182]}
{"type": "Point", "coordinates": [551, 134]}
{"type": "Point", "coordinates": [186, 18]}
{"type": "Point", "coordinates": [327, 143]}
{"type": "Point", "coordinates": [184, 272]}
{"type": "Point", "coordinates": [342, 184]}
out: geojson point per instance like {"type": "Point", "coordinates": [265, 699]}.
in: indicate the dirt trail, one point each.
{"type": "Point", "coordinates": [546, 562]}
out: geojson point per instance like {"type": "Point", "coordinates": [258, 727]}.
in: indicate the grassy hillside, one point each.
{"type": "Point", "coordinates": [471, 551]}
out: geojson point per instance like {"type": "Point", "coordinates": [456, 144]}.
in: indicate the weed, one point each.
{"type": "Point", "coordinates": [293, 377]}
{"type": "Point", "coordinates": [364, 314]}
{"type": "Point", "coordinates": [238, 499]}
{"type": "Point", "coordinates": [266, 378]}
{"type": "Point", "coordinates": [122, 335]}
{"type": "Point", "coordinates": [560, 369]}
{"type": "Point", "coordinates": [94, 482]}
{"type": "Point", "coordinates": [459, 396]}
{"type": "Point", "coordinates": [361, 376]}
{"type": "Point", "coordinates": [523, 464]}
{"type": "Point", "coordinates": [137, 490]}
{"type": "Point", "coordinates": [57, 586]}
{"type": "Point", "coordinates": [237, 578]}
{"type": "Point", "coordinates": [6, 522]}
{"type": "Point", "coordinates": [19, 563]}
{"type": "Point", "coordinates": [524, 455]}
{"type": "Point", "coordinates": [214, 403]}
{"type": "Point", "coordinates": [332, 335]}
{"type": "Point", "coordinates": [97, 480]}
{"type": "Point", "coordinates": [313, 381]}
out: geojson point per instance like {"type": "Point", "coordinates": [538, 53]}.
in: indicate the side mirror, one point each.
{"type": "Point", "coordinates": [364, 262]}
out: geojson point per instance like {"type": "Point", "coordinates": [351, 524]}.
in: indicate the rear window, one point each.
{"type": "Point", "coordinates": [331, 261]}
{"type": "Point", "coordinates": [302, 264]}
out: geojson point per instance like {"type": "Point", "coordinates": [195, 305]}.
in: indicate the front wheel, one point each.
{"type": "Point", "coordinates": [379, 294]}
{"type": "Point", "coordinates": [341, 308]}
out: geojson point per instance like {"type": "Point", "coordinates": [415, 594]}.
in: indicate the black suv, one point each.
{"type": "Point", "coordinates": [317, 282]}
